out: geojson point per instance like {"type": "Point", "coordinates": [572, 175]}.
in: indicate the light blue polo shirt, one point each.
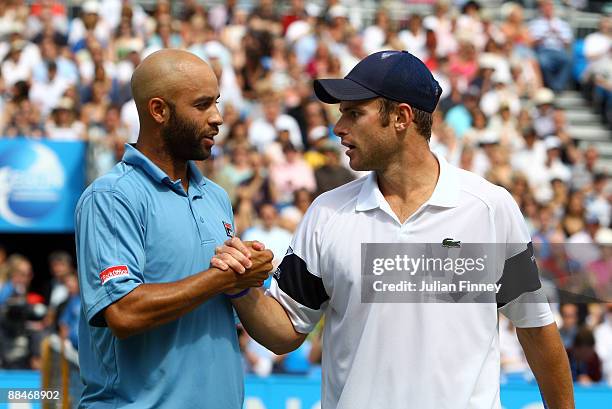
{"type": "Point", "coordinates": [134, 226]}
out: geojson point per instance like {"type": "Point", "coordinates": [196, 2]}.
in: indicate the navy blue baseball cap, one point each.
{"type": "Point", "coordinates": [395, 75]}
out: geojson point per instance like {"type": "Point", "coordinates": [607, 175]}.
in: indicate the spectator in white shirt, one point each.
{"type": "Point", "coordinates": [552, 36]}
{"type": "Point", "coordinates": [603, 342]}
{"type": "Point", "coordinates": [264, 130]}
{"type": "Point", "coordinates": [597, 44]}
{"type": "Point", "coordinates": [442, 25]}
{"type": "Point", "coordinates": [544, 113]}
{"type": "Point", "coordinates": [269, 232]}
{"type": "Point", "coordinates": [16, 67]}
{"type": "Point", "coordinates": [598, 203]}
{"type": "Point", "coordinates": [46, 94]}
{"type": "Point", "coordinates": [90, 21]}
{"type": "Point", "coordinates": [375, 35]}
{"type": "Point", "coordinates": [129, 118]}
{"type": "Point", "coordinates": [66, 68]}
{"type": "Point", "coordinates": [414, 38]}
{"type": "Point", "coordinates": [553, 165]}
{"type": "Point", "coordinates": [530, 160]}
{"type": "Point", "coordinates": [63, 124]}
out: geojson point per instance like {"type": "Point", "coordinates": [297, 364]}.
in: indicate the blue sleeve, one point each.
{"type": "Point", "coordinates": [110, 244]}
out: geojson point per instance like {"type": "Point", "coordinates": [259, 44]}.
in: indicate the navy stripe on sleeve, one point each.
{"type": "Point", "coordinates": [298, 283]}
{"type": "Point", "coordinates": [520, 276]}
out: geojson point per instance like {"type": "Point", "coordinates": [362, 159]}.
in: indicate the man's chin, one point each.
{"type": "Point", "coordinates": [357, 166]}
{"type": "Point", "coordinates": [201, 155]}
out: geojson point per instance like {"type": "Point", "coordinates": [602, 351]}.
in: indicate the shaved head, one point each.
{"type": "Point", "coordinates": [176, 95]}
{"type": "Point", "coordinates": [166, 74]}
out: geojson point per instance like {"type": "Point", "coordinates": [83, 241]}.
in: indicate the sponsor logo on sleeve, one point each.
{"type": "Point", "coordinates": [228, 229]}
{"type": "Point", "coordinates": [113, 272]}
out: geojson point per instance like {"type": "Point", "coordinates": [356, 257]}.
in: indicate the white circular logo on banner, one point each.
{"type": "Point", "coordinates": [31, 182]}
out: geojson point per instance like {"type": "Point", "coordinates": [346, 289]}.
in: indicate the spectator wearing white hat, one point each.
{"type": "Point", "coordinates": [543, 114]}
{"type": "Point", "coordinates": [500, 94]}
{"type": "Point", "coordinates": [63, 124]}
{"type": "Point", "coordinates": [89, 21]}
{"type": "Point", "coordinates": [553, 165]}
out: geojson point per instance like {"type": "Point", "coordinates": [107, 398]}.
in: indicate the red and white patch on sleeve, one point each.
{"type": "Point", "coordinates": [113, 272]}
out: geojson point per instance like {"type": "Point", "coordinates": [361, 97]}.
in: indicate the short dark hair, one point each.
{"type": "Point", "coordinates": [61, 256]}
{"type": "Point", "coordinates": [584, 338]}
{"type": "Point", "coordinates": [423, 120]}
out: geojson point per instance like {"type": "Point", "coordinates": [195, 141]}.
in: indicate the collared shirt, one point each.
{"type": "Point", "coordinates": [554, 33]}
{"type": "Point", "coordinates": [134, 226]}
{"type": "Point", "coordinates": [395, 355]}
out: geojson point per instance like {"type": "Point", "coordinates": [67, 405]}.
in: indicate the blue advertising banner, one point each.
{"type": "Point", "coordinates": [40, 184]}
{"type": "Point", "coordinates": [291, 392]}
{"type": "Point", "coordinates": [297, 392]}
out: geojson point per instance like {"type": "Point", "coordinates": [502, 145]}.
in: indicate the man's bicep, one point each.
{"type": "Point", "coordinates": [520, 297]}
{"type": "Point", "coordinates": [110, 251]}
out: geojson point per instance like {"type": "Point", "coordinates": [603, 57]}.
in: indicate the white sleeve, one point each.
{"type": "Point", "coordinates": [297, 282]}
{"type": "Point", "coordinates": [520, 298]}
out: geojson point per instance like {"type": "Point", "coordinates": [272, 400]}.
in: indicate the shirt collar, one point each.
{"type": "Point", "coordinates": [134, 157]}
{"type": "Point", "coordinates": [445, 194]}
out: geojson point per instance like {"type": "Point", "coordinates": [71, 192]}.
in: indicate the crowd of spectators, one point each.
{"type": "Point", "coordinates": [65, 75]}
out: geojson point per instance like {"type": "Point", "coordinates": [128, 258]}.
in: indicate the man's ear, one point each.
{"type": "Point", "coordinates": [159, 110]}
{"type": "Point", "coordinates": [403, 117]}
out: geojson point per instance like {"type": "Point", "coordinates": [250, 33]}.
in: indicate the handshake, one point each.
{"type": "Point", "coordinates": [248, 263]}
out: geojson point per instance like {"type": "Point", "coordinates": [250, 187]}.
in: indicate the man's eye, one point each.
{"type": "Point", "coordinates": [354, 114]}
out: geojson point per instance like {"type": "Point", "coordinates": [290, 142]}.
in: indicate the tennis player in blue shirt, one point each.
{"type": "Point", "coordinates": [157, 328]}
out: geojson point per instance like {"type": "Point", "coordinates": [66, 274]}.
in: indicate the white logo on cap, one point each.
{"type": "Point", "coordinates": [387, 54]}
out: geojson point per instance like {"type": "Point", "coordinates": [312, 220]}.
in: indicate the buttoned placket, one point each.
{"type": "Point", "coordinates": [403, 229]}
{"type": "Point", "coordinates": [194, 193]}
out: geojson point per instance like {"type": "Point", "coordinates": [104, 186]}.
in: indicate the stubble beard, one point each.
{"type": "Point", "coordinates": [183, 138]}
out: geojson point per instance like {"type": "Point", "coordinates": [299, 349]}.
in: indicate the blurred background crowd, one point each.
{"type": "Point", "coordinates": [65, 73]}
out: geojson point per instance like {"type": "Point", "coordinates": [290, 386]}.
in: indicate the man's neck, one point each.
{"type": "Point", "coordinates": [175, 169]}
{"type": "Point", "coordinates": [408, 183]}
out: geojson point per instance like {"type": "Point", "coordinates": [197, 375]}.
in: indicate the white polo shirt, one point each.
{"type": "Point", "coordinates": [403, 355]}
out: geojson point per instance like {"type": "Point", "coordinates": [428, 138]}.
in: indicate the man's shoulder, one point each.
{"type": "Point", "coordinates": [122, 179]}
{"type": "Point", "coordinates": [477, 186]}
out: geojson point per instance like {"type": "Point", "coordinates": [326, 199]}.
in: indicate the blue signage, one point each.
{"type": "Point", "coordinates": [298, 392]}
{"type": "Point", "coordinates": [40, 184]}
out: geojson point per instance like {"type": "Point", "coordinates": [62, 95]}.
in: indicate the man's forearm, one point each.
{"type": "Point", "coordinates": [267, 322]}
{"type": "Point", "coordinates": [151, 305]}
{"type": "Point", "coordinates": [548, 361]}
